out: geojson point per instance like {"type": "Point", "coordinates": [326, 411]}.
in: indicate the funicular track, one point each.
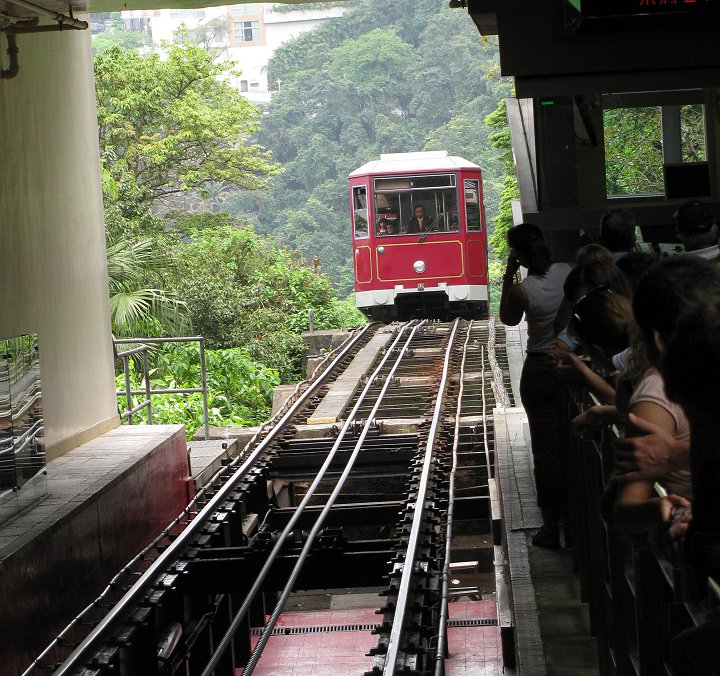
{"type": "Point", "coordinates": [207, 597]}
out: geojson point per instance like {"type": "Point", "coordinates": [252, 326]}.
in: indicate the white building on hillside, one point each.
{"type": "Point", "coordinates": [252, 32]}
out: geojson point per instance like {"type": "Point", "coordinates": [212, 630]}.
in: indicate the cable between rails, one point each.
{"type": "Point", "coordinates": [444, 611]}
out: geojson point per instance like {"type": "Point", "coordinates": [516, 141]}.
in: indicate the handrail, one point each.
{"type": "Point", "coordinates": [148, 391]}
{"type": "Point", "coordinates": [641, 595]}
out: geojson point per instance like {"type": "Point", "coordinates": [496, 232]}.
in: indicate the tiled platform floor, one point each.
{"type": "Point", "coordinates": [474, 651]}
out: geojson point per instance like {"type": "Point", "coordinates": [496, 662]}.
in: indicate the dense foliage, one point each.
{"type": "Point", "coordinates": [242, 289]}
{"type": "Point", "coordinates": [173, 123]}
{"type": "Point", "coordinates": [180, 147]}
{"type": "Point", "coordinates": [141, 302]}
{"type": "Point", "coordinates": [634, 147]}
{"type": "Point", "coordinates": [239, 389]}
{"type": "Point", "coordinates": [170, 126]}
{"type": "Point", "coordinates": [386, 77]}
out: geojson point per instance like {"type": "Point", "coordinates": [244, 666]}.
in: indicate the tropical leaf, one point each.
{"type": "Point", "coordinates": [138, 303]}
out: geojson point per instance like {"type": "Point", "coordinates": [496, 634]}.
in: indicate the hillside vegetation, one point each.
{"type": "Point", "coordinates": [231, 224]}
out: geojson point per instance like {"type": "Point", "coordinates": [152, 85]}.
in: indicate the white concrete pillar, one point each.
{"type": "Point", "coordinates": [53, 266]}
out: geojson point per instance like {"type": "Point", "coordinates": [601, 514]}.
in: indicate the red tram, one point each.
{"type": "Point", "coordinates": [419, 239]}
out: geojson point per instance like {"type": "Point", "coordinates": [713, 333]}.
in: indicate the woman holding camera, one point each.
{"type": "Point", "coordinates": [540, 298]}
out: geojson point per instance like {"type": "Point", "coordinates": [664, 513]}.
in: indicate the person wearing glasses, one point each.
{"type": "Point", "coordinates": [540, 299]}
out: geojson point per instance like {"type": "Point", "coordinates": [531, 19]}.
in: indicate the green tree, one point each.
{"type": "Point", "coordinates": [243, 290]}
{"type": "Point", "coordinates": [118, 37]}
{"type": "Point", "coordinates": [173, 123]}
{"type": "Point", "coordinates": [633, 151]}
{"type": "Point", "coordinates": [239, 390]}
{"type": "Point", "coordinates": [500, 140]}
{"type": "Point", "coordinates": [210, 35]}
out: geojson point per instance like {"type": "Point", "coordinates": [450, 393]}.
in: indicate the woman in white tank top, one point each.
{"type": "Point", "coordinates": [540, 298]}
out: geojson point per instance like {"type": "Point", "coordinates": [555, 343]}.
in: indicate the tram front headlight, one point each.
{"type": "Point", "coordinates": [419, 267]}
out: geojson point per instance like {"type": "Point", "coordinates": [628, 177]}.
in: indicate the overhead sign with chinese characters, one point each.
{"type": "Point", "coordinates": [608, 8]}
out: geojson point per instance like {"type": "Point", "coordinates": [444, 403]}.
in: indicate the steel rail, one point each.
{"type": "Point", "coordinates": [187, 512]}
{"type": "Point", "coordinates": [172, 551]}
{"type": "Point", "coordinates": [409, 564]}
{"type": "Point", "coordinates": [502, 397]}
{"type": "Point", "coordinates": [268, 629]}
{"type": "Point", "coordinates": [260, 579]}
{"type": "Point", "coordinates": [444, 611]}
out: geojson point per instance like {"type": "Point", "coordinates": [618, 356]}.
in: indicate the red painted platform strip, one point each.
{"type": "Point", "coordinates": [474, 651]}
{"type": "Point", "coordinates": [319, 618]}
{"type": "Point", "coordinates": [473, 610]}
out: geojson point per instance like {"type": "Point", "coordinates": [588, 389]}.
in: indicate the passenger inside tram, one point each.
{"type": "Point", "coordinates": [420, 222]}
{"type": "Point", "coordinates": [423, 204]}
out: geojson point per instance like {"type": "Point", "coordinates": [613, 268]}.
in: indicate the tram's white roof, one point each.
{"type": "Point", "coordinates": [401, 162]}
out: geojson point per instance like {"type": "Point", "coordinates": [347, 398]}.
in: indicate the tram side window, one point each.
{"type": "Point", "coordinates": [472, 206]}
{"type": "Point", "coordinates": [447, 211]}
{"type": "Point", "coordinates": [360, 212]}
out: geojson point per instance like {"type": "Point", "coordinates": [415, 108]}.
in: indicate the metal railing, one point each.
{"type": "Point", "coordinates": [148, 392]}
{"type": "Point", "coordinates": [648, 609]}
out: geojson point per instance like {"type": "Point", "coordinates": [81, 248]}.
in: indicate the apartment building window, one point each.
{"type": "Point", "coordinates": [246, 31]}
{"type": "Point", "coordinates": [187, 14]}
{"type": "Point", "coordinates": [243, 85]}
{"type": "Point", "coordinates": [247, 9]}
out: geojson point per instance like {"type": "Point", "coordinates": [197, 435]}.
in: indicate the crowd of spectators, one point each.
{"type": "Point", "coordinates": [642, 334]}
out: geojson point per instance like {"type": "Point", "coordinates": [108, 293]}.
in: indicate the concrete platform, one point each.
{"type": "Point", "coordinates": [106, 500]}
{"type": "Point", "coordinates": [342, 390]}
{"type": "Point", "coordinates": [319, 343]}
{"type": "Point", "coordinates": [551, 625]}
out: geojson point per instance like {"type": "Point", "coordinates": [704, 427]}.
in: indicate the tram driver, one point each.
{"type": "Point", "coordinates": [419, 222]}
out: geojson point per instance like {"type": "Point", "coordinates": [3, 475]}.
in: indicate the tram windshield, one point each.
{"type": "Point", "coordinates": [419, 204]}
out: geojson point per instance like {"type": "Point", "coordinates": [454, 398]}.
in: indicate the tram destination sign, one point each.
{"type": "Point", "coordinates": [592, 9]}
